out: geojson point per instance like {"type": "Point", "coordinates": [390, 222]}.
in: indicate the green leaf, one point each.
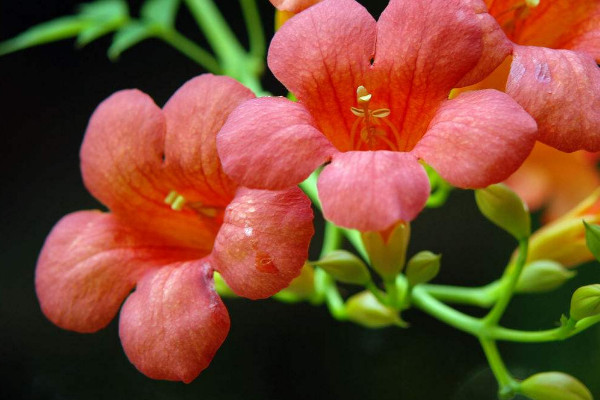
{"type": "Point", "coordinates": [592, 238]}
{"type": "Point", "coordinates": [130, 35]}
{"type": "Point", "coordinates": [51, 31]}
{"type": "Point", "coordinates": [104, 10]}
{"type": "Point", "coordinates": [104, 17]}
{"type": "Point", "coordinates": [161, 12]}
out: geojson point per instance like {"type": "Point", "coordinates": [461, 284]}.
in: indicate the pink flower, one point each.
{"type": "Point", "coordinates": [174, 219]}
{"type": "Point", "coordinates": [373, 100]}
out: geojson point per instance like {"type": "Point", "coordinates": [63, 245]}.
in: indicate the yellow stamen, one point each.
{"type": "Point", "coordinates": [368, 121]}
{"type": "Point", "coordinates": [171, 197]}
{"type": "Point", "coordinates": [178, 203]}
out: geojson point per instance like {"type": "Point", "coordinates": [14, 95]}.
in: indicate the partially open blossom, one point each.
{"type": "Point", "coordinates": [563, 240]}
{"type": "Point", "coordinates": [554, 76]}
{"type": "Point", "coordinates": [174, 218]}
{"type": "Point", "coordinates": [552, 72]}
{"type": "Point", "coordinates": [555, 180]}
{"type": "Point", "coordinates": [373, 100]}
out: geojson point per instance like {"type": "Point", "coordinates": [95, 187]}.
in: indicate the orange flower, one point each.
{"type": "Point", "coordinates": [553, 75]}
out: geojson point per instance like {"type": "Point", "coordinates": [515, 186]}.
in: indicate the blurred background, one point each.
{"type": "Point", "coordinates": [274, 350]}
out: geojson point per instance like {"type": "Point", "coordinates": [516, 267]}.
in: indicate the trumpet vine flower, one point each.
{"type": "Point", "coordinates": [373, 102]}
{"type": "Point", "coordinates": [174, 219]}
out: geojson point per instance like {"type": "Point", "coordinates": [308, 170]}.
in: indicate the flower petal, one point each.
{"type": "Point", "coordinates": [271, 143]}
{"type": "Point", "coordinates": [371, 190]}
{"type": "Point", "coordinates": [122, 166]}
{"type": "Point", "coordinates": [264, 240]}
{"type": "Point", "coordinates": [321, 55]}
{"type": "Point", "coordinates": [417, 73]}
{"type": "Point", "coordinates": [568, 24]}
{"type": "Point", "coordinates": [174, 322]}
{"type": "Point", "coordinates": [546, 82]}
{"type": "Point", "coordinates": [477, 139]}
{"type": "Point", "coordinates": [89, 264]}
{"type": "Point", "coordinates": [122, 152]}
{"type": "Point", "coordinates": [194, 115]}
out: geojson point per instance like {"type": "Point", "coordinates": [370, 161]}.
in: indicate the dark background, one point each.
{"type": "Point", "coordinates": [274, 350]}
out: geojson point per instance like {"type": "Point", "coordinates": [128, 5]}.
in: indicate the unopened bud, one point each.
{"type": "Point", "coordinates": [585, 302]}
{"type": "Point", "coordinates": [345, 267]}
{"type": "Point", "coordinates": [592, 238]}
{"type": "Point", "coordinates": [543, 276]}
{"type": "Point", "coordinates": [554, 386]}
{"type": "Point", "coordinates": [387, 250]}
{"type": "Point", "coordinates": [423, 267]}
{"type": "Point", "coordinates": [303, 286]}
{"type": "Point", "coordinates": [504, 208]}
{"type": "Point", "coordinates": [364, 309]}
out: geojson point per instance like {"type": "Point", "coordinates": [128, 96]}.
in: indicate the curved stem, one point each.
{"type": "Point", "coordinates": [507, 384]}
{"type": "Point", "coordinates": [424, 301]}
{"type": "Point", "coordinates": [484, 296]}
{"type": "Point", "coordinates": [256, 34]}
{"type": "Point", "coordinates": [508, 284]}
{"type": "Point", "coordinates": [191, 49]}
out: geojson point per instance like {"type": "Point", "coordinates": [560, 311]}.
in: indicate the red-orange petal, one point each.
{"type": "Point", "coordinates": [271, 143]}
{"type": "Point", "coordinates": [264, 240]}
{"type": "Point", "coordinates": [477, 139]}
{"type": "Point", "coordinates": [174, 322]}
{"type": "Point", "coordinates": [561, 90]}
{"type": "Point", "coordinates": [89, 264]}
{"type": "Point", "coordinates": [322, 55]}
{"type": "Point", "coordinates": [416, 65]}
{"type": "Point", "coordinates": [194, 115]}
{"type": "Point", "coordinates": [371, 190]}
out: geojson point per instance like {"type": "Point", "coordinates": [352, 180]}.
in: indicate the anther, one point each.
{"type": "Point", "coordinates": [175, 200]}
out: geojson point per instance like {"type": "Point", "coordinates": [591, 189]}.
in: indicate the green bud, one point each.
{"type": "Point", "coordinates": [585, 302]}
{"type": "Point", "coordinates": [345, 267]}
{"type": "Point", "coordinates": [504, 208]}
{"type": "Point", "coordinates": [364, 309]}
{"type": "Point", "coordinates": [592, 238]}
{"type": "Point", "coordinates": [221, 287]}
{"type": "Point", "coordinates": [423, 267]}
{"type": "Point", "coordinates": [554, 386]}
{"type": "Point", "coordinates": [543, 276]}
{"type": "Point", "coordinates": [387, 250]}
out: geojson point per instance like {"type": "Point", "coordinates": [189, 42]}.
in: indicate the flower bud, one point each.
{"type": "Point", "coordinates": [303, 285]}
{"type": "Point", "coordinates": [564, 240]}
{"type": "Point", "coordinates": [592, 238]}
{"type": "Point", "coordinates": [585, 302]}
{"type": "Point", "coordinates": [504, 208]}
{"type": "Point", "coordinates": [364, 309]}
{"type": "Point", "coordinates": [554, 386]}
{"type": "Point", "coordinates": [423, 267]}
{"type": "Point", "coordinates": [387, 249]}
{"type": "Point", "coordinates": [345, 267]}
{"type": "Point", "coordinates": [543, 276]}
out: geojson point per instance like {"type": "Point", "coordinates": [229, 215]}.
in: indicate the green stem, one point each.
{"type": "Point", "coordinates": [507, 384]}
{"type": "Point", "coordinates": [429, 304]}
{"type": "Point", "coordinates": [508, 284]}
{"type": "Point", "coordinates": [484, 296]}
{"type": "Point", "coordinates": [548, 335]}
{"type": "Point", "coordinates": [256, 34]}
{"type": "Point", "coordinates": [221, 38]}
{"type": "Point", "coordinates": [371, 287]}
{"type": "Point", "coordinates": [190, 49]}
